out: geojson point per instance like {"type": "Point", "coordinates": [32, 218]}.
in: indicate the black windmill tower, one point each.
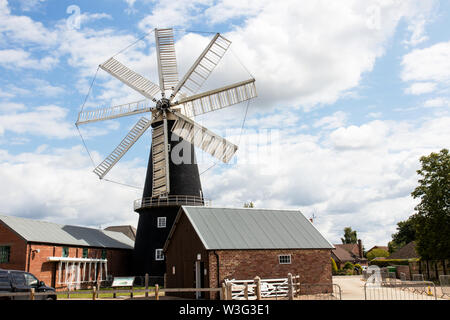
{"type": "Point", "coordinates": [172, 178]}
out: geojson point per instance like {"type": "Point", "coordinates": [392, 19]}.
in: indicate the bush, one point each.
{"type": "Point", "coordinates": [334, 268]}
{"type": "Point", "coordinates": [358, 268]}
{"type": "Point", "coordinates": [348, 266]}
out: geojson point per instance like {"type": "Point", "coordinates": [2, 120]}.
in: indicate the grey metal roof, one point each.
{"type": "Point", "coordinates": [239, 228]}
{"type": "Point", "coordinates": [48, 232]}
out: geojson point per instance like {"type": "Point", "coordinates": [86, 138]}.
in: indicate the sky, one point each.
{"type": "Point", "coordinates": [350, 95]}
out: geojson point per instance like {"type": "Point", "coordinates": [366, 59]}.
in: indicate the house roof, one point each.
{"type": "Point", "coordinates": [249, 228]}
{"type": "Point", "coordinates": [406, 252]}
{"type": "Point", "coordinates": [48, 232]}
{"type": "Point", "coordinates": [342, 254]}
{"type": "Point", "coordinates": [352, 248]}
{"type": "Point", "coordinates": [129, 231]}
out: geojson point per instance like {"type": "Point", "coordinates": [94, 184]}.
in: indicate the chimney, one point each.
{"type": "Point", "coordinates": [311, 219]}
{"type": "Point", "coordinates": [361, 253]}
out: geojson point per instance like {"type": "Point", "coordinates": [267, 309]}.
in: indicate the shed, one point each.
{"type": "Point", "coordinates": [207, 245]}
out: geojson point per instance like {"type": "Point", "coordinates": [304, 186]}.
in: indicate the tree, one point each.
{"type": "Point", "coordinates": [349, 236]}
{"type": "Point", "coordinates": [406, 232]}
{"type": "Point", "coordinates": [432, 215]}
{"type": "Point", "coordinates": [375, 253]}
{"type": "Point", "coordinates": [334, 268]}
{"type": "Point", "coordinates": [249, 205]}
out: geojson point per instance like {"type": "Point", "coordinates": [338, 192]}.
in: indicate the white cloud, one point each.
{"type": "Point", "coordinates": [429, 64]}
{"type": "Point", "coordinates": [437, 102]}
{"type": "Point", "coordinates": [6, 106]}
{"type": "Point", "coordinates": [59, 186]}
{"type": "Point", "coordinates": [297, 58]}
{"type": "Point", "coordinates": [19, 58]}
{"type": "Point", "coordinates": [369, 135]}
{"type": "Point", "coordinates": [23, 30]}
{"type": "Point", "coordinates": [48, 121]}
{"type": "Point", "coordinates": [359, 176]}
{"type": "Point", "coordinates": [419, 88]}
{"type": "Point", "coordinates": [334, 121]}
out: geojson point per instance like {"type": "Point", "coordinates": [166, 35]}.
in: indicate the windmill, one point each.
{"type": "Point", "coordinates": [169, 185]}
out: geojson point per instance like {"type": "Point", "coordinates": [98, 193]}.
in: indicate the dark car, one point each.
{"type": "Point", "coordinates": [15, 281]}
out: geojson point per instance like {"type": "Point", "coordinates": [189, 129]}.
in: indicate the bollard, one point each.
{"type": "Point", "coordinates": [156, 291]}
{"type": "Point", "coordinates": [94, 293]}
{"type": "Point", "coordinates": [32, 294]}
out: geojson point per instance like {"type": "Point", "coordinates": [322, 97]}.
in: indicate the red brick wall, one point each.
{"type": "Point", "coordinates": [18, 249]}
{"type": "Point", "coordinates": [313, 266]}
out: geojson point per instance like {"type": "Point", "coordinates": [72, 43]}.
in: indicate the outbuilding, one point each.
{"type": "Point", "coordinates": [63, 255]}
{"type": "Point", "coordinates": [207, 245]}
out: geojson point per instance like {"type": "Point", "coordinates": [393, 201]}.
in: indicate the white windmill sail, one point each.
{"type": "Point", "coordinates": [132, 79]}
{"type": "Point", "coordinates": [160, 160]}
{"type": "Point", "coordinates": [135, 133]}
{"type": "Point", "coordinates": [114, 112]}
{"type": "Point", "coordinates": [218, 98]}
{"type": "Point", "coordinates": [167, 61]}
{"type": "Point", "coordinates": [184, 107]}
{"type": "Point", "coordinates": [203, 138]}
{"type": "Point", "coordinates": [202, 67]}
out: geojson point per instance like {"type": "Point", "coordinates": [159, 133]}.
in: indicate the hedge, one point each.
{"type": "Point", "coordinates": [389, 262]}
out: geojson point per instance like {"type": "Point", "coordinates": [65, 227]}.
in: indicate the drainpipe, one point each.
{"type": "Point", "coordinates": [29, 257]}
{"type": "Point", "coordinates": [217, 267]}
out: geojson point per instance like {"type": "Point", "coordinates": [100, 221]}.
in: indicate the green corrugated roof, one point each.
{"type": "Point", "coordinates": [242, 228]}
{"type": "Point", "coordinates": [48, 232]}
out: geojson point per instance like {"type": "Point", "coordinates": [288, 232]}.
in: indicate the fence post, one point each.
{"type": "Point", "coordinates": [223, 292]}
{"type": "Point", "coordinates": [98, 287]}
{"type": "Point", "coordinates": [32, 294]}
{"type": "Point", "coordinates": [131, 292]}
{"type": "Point", "coordinates": [229, 291]}
{"type": "Point", "coordinates": [258, 288]}
{"type": "Point", "coordinates": [94, 293]}
{"type": "Point", "coordinates": [246, 291]}
{"type": "Point", "coordinates": [146, 285]}
{"type": "Point", "coordinates": [290, 287]}
{"type": "Point", "coordinates": [156, 291]}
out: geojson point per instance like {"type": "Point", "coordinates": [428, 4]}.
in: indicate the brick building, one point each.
{"type": "Point", "coordinates": [349, 252]}
{"type": "Point", "coordinates": [208, 245]}
{"type": "Point", "coordinates": [63, 255]}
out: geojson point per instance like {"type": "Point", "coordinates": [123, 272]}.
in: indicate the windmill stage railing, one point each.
{"type": "Point", "coordinates": [174, 200]}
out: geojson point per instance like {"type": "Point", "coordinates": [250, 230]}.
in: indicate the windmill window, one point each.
{"type": "Point", "coordinates": [159, 255]}
{"type": "Point", "coordinates": [161, 222]}
{"type": "Point", "coordinates": [284, 259]}
{"type": "Point", "coordinates": [5, 253]}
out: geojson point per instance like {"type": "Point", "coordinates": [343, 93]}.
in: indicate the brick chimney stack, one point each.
{"type": "Point", "coordinates": [361, 253]}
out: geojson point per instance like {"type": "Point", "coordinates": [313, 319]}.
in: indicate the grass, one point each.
{"type": "Point", "coordinates": [103, 293]}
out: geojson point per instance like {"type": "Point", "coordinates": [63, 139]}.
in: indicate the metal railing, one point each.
{"type": "Point", "coordinates": [395, 289]}
{"type": "Point", "coordinates": [171, 201]}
